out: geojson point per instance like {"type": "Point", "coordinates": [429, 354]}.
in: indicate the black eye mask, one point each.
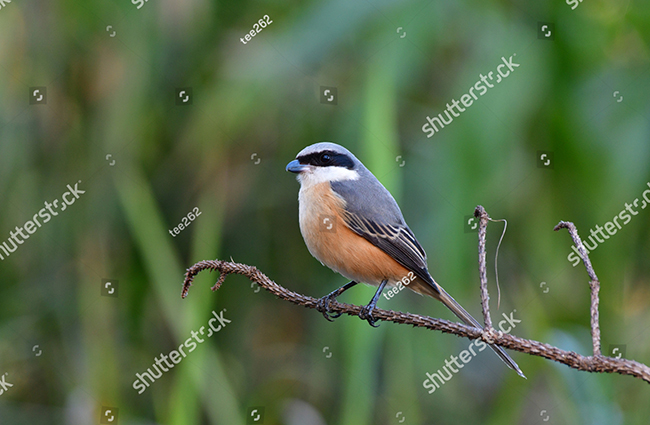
{"type": "Point", "coordinates": [327, 159]}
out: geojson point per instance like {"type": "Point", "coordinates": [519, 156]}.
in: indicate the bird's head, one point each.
{"type": "Point", "coordinates": [325, 162]}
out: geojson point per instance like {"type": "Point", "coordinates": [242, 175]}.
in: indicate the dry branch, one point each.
{"type": "Point", "coordinates": [482, 215]}
{"type": "Point", "coordinates": [595, 363]}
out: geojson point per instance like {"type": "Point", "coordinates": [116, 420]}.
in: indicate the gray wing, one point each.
{"type": "Point", "coordinates": [372, 213]}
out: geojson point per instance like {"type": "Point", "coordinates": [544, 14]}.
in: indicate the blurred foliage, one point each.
{"type": "Point", "coordinates": [254, 106]}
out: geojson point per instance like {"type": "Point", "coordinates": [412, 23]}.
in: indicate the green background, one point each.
{"type": "Point", "coordinates": [254, 106]}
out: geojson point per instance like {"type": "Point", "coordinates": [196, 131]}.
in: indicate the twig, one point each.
{"type": "Point", "coordinates": [482, 215]}
{"type": "Point", "coordinates": [595, 363]}
{"type": "Point", "coordinates": [594, 283]}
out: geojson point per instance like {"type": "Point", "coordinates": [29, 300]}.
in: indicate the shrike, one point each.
{"type": "Point", "coordinates": [353, 225]}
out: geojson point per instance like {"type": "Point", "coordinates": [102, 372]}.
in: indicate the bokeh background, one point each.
{"type": "Point", "coordinates": [112, 120]}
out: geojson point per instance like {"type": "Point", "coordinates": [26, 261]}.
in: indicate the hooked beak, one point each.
{"type": "Point", "coordinates": [296, 167]}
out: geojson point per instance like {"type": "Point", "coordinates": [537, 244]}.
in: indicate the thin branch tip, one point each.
{"type": "Point", "coordinates": [564, 225]}
{"type": "Point", "coordinates": [479, 211]}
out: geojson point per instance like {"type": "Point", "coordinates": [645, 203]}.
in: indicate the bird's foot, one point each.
{"type": "Point", "coordinates": [366, 314]}
{"type": "Point", "coordinates": [324, 306]}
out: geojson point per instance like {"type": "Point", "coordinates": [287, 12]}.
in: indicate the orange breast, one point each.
{"type": "Point", "coordinates": [332, 242]}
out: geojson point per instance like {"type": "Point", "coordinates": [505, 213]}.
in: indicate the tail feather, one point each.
{"type": "Point", "coordinates": [440, 294]}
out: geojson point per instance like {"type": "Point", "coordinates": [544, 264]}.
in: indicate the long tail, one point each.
{"type": "Point", "coordinates": [440, 294]}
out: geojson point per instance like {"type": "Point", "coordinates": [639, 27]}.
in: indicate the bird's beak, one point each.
{"type": "Point", "coordinates": [296, 167]}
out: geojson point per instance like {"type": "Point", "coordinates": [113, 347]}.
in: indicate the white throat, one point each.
{"type": "Point", "coordinates": [316, 175]}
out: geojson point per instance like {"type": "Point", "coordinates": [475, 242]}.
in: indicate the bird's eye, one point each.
{"type": "Point", "coordinates": [325, 158]}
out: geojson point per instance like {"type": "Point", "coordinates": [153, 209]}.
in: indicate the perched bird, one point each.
{"type": "Point", "coordinates": [352, 224]}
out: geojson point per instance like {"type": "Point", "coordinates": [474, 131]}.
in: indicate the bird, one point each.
{"type": "Point", "coordinates": [352, 224]}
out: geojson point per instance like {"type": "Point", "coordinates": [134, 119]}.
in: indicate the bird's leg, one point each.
{"type": "Point", "coordinates": [324, 303]}
{"type": "Point", "coordinates": [366, 311]}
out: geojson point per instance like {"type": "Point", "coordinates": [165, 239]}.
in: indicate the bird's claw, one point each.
{"type": "Point", "coordinates": [366, 314]}
{"type": "Point", "coordinates": [324, 307]}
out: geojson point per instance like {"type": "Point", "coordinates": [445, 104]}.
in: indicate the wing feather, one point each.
{"type": "Point", "coordinates": [398, 241]}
